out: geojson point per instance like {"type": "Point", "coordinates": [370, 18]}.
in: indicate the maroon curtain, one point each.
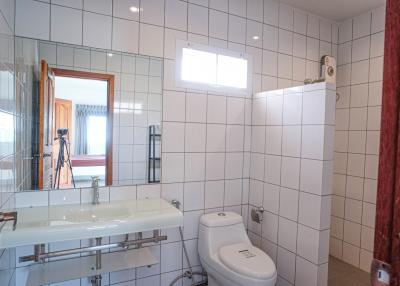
{"type": "Point", "coordinates": [387, 241]}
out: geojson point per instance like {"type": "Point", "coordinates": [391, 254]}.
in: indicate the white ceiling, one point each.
{"type": "Point", "coordinates": [337, 10]}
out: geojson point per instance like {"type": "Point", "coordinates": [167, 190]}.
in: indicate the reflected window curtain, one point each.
{"type": "Point", "coordinates": [82, 114]}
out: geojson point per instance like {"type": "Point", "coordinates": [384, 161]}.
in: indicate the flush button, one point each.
{"type": "Point", "coordinates": [221, 214]}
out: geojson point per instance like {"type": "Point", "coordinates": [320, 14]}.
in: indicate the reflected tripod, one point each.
{"type": "Point", "coordinates": [61, 157]}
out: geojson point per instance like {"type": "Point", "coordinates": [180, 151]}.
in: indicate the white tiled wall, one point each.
{"type": "Point", "coordinates": [10, 124]}
{"type": "Point", "coordinates": [291, 177]}
{"type": "Point", "coordinates": [360, 60]}
{"type": "Point", "coordinates": [286, 43]}
{"type": "Point", "coordinates": [206, 137]}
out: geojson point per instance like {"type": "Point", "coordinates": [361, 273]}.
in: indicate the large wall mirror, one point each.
{"type": "Point", "coordinates": [87, 113]}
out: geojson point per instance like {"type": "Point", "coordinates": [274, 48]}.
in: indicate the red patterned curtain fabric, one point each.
{"type": "Point", "coordinates": [387, 241]}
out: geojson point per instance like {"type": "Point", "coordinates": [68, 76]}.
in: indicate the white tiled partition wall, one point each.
{"type": "Point", "coordinates": [291, 177]}
{"type": "Point", "coordinates": [358, 113]}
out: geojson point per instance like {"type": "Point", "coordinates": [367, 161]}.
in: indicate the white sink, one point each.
{"type": "Point", "coordinates": [69, 222]}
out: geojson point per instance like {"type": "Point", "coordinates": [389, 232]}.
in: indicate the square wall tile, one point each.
{"type": "Point", "coordinates": [273, 170]}
{"type": "Point", "coordinates": [218, 26]}
{"type": "Point", "coordinates": [362, 25]}
{"type": "Point", "coordinates": [286, 264]}
{"type": "Point", "coordinates": [32, 19]}
{"type": "Point", "coordinates": [314, 211]}
{"type": "Point", "coordinates": [125, 35]}
{"type": "Point", "coordinates": [198, 20]}
{"type": "Point", "coordinates": [313, 245]}
{"type": "Point", "coordinates": [215, 166]}
{"type": "Point", "coordinates": [286, 17]}
{"type": "Point", "coordinates": [287, 234]}
{"type": "Point", "coordinates": [151, 40]}
{"type": "Point", "coordinates": [173, 137]}
{"type": "Point", "coordinates": [255, 10]}
{"type": "Point", "coordinates": [273, 140]}
{"type": "Point", "coordinates": [234, 138]}
{"type": "Point", "coordinates": [271, 198]}
{"type": "Point", "coordinates": [300, 22]}
{"type": "Point", "coordinates": [121, 9]}
{"type": "Point", "coordinates": [313, 142]}
{"type": "Point", "coordinates": [92, 25]}
{"type": "Point", "coordinates": [254, 34]}
{"type": "Point", "coordinates": [172, 167]}
{"type": "Point", "coordinates": [308, 273]}
{"type": "Point", "coordinates": [237, 30]}
{"type": "Point", "coordinates": [316, 176]}
{"type": "Point", "coordinates": [176, 14]}
{"type": "Point", "coordinates": [66, 25]}
{"type": "Point", "coordinates": [193, 196]}
{"type": "Point", "coordinates": [215, 138]}
{"type": "Point", "coordinates": [214, 194]}
{"type": "Point", "coordinates": [378, 19]}
{"type": "Point", "coordinates": [174, 106]}
{"type": "Point", "coordinates": [274, 109]}
{"type": "Point", "coordinates": [288, 203]}
{"type": "Point", "coordinates": [270, 38]}
{"type": "Point", "coordinates": [152, 12]}
{"type": "Point", "coordinates": [271, 12]}
{"type": "Point", "coordinates": [290, 172]}
{"type": "Point", "coordinates": [292, 109]}
{"type": "Point", "coordinates": [352, 233]}
{"type": "Point", "coordinates": [313, 26]}
{"type": "Point", "coordinates": [237, 7]}
{"type": "Point", "coordinates": [216, 109]}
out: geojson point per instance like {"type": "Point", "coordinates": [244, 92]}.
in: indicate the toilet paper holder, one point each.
{"type": "Point", "coordinates": [257, 214]}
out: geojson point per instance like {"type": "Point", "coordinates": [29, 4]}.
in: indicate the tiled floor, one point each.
{"type": "Point", "coordinates": [343, 274]}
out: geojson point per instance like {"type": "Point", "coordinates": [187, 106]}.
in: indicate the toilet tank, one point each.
{"type": "Point", "coordinates": [219, 229]}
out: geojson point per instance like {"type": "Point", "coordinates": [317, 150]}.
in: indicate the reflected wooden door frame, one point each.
{"type": "Point", "coordinates": [46, 100]}
{"type": "Point", "coordinates": [110, 109]}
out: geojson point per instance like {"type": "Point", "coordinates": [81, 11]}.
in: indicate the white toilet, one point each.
{"type": "Point", "coordinates": [228, 256]}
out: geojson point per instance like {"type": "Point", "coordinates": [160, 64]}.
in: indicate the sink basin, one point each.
{"type": "Point", "coordinates": [70, 222]}
{"type": "Point", "coordinates": [99, 213]}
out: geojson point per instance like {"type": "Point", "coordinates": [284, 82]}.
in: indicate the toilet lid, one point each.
{"type": "Point", "coordinates": [247, 260]}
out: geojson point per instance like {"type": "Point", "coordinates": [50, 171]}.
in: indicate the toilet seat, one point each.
{"type": "Point", "coordinates": [247, 260]}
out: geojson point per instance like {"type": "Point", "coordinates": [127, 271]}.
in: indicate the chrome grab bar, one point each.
{"type": "Point", "coordinates": [123, 244]}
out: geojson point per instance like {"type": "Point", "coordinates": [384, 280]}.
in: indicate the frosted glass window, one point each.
{"type": "Point", "coordinates": [207, 68]}
{"type": "Point", "coordinates": [232, 72]}
{"type": "Point", "coordinates": [199, 66]}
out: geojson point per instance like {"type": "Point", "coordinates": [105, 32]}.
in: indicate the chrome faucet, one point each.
{"type": "Point", "coordinates": [95, 186]}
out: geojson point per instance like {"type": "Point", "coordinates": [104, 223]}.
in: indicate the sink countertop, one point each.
{"type": "Point", "coordinates": [38, 225]}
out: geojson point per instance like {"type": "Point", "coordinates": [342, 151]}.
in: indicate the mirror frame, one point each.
{"type": "Point", "coordinates": [110, 110]}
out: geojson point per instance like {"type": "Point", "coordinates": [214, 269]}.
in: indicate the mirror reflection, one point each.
{"type": "Point", "coordinates": [81, 114]}
{"type": "Point", "coordinates": [89, 113]}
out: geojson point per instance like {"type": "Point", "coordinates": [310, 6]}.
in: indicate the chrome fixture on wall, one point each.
{"type": "Point", "coordinates": [327, 71]}
{"type": "Point", "coordinates": [95, 186]}
{"type": "Point", "coordinates": [257, 214]}
{"type": "Point", "coordinates": [188, 274]}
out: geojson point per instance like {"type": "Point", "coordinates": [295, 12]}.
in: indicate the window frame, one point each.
{"type": "Point", "coordinates": [179, 82]}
